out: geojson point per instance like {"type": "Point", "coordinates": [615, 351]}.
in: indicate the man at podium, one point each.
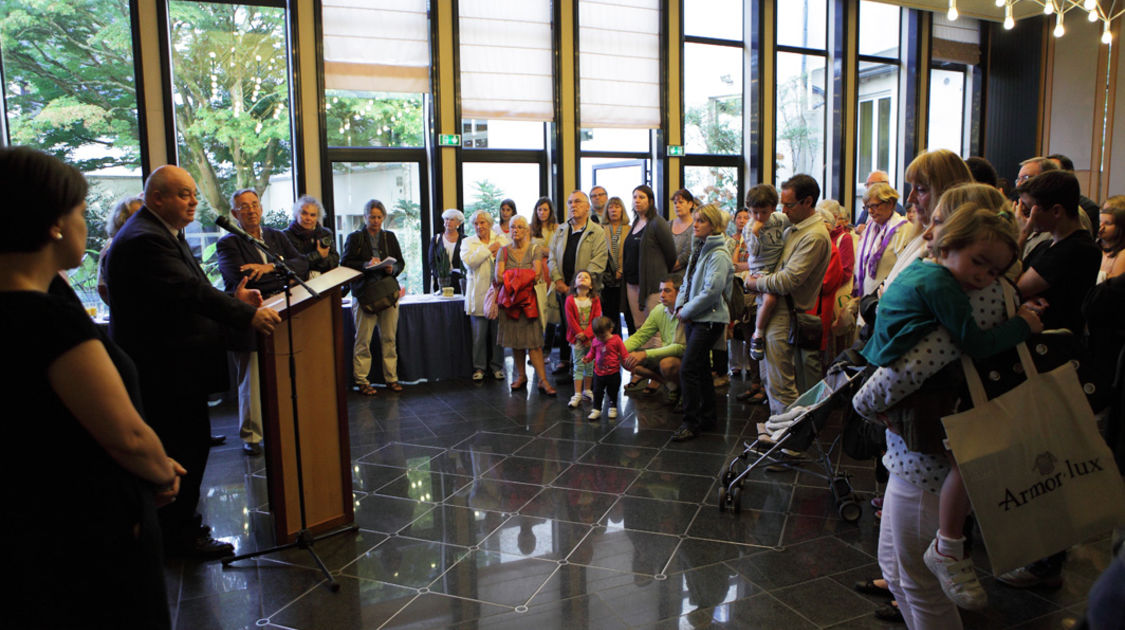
{"type": "Point", "coordinates": [166, 315]}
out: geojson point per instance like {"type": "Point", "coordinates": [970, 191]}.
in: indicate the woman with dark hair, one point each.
{"type": "Point", "coordinates": [309, 236]}
{"type": "Point", "coordinates": [647, 256]}
{"type": "Point", "coordinates": [507, 211]}
{"type": "Point", "coordinates": [1111, 238]}
{"type": "Point", "coordinates": [364, 250]}
{"type": "Point", "coordinates": [684, 204]}
{"type": "Point", "coordinates": [543, 227]}
{"type": "Point", "coordinates": [86, 398]}
{"type": "Point", "coordinates": [445, 252]}
{"type": "Point", "coordinates": [124, 209]}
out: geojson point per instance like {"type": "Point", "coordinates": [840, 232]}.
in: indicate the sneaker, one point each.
{"type": "Point", "coordinates": [612, 413]}
{"type": "Point", "coordinates": [478, 376]}
{"type": "Point", "coordinates": [594, 415]}
{"type": "Point", "coordinates": [684, 433]}
{"type": "Point", "coordinates": [498, 375]}
{"type": "Point", "coordinates": [635, 387]}
{"type": "Point", "coordinates": [588, 394]}
{"type": "Point", "coordinates": [957, 577]}
{"type": "Point", "coordinates": [1024, 577]}
{"type": "Point", "coordinates": [575, 401]}
{"type": "Point", "coordinates": [757, 348]}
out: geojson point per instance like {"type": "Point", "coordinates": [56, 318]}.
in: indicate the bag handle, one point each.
{"type": "Point", "coordinates": [972, 377]}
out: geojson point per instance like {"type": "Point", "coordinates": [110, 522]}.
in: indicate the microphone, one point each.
{"type": "Point", "coordinates": [225, 223]}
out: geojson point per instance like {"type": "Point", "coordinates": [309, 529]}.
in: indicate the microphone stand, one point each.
{"type": "Point", "coordinates": [305, 540]}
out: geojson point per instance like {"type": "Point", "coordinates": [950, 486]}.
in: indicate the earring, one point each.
{"type": "Point", "coordinates": [57, 236]}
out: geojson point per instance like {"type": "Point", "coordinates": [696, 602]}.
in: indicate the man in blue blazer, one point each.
{"type": "Point", "coordinates": [166, 315]}
{"type": "Point", "coordinates": [241, 261]}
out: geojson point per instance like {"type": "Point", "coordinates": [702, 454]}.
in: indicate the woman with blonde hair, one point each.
{"type": "Point", "coordinates": [125, 208]}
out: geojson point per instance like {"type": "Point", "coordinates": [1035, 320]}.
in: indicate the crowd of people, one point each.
{"type": "Point", "coordinates": [679, 305]}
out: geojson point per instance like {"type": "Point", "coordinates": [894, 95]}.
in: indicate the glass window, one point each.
{"type": "Point", "coordinates": [800, 116]}
{"type": "Point", "coordinates": [398, 185]}
{"type": "Point", "coordinates": [619, 176]}
{"type": "Point", "coordinates": [486, 184]}
{"type": "Point", "coordinates": [374, 119]}
{"type": "Point", "coordinates": [713, 99]}
{"type": "Point", "coordinates": [54, 53]}
{"type": "Point", "coordinates": [714, 184]}
{"type": "Point", "coordinates": [802, 23]}
{"type": "Point", "coordinates": [947, 107]}
{"type": "Point", "coordinates": [627, 140]}
{"type": "Point", "coordinates": [502, 134]}
{"type": "Point", "coordinates": [719, 19]}
{"type": "Point", "coordinates": [878, 29]}
{"type": "Point", "coordinates": [230, 87]}
{"type": "Point", "coordinates": [877, 138]}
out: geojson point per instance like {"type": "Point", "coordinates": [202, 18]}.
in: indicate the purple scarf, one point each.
{"type": "Point", "coordinates": [870, 254]}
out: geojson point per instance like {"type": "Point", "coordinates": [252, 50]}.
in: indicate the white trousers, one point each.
{"type": "Point", "coordinates": [910, 522]}
{"type": "Point", "coordinates": [249, 397]}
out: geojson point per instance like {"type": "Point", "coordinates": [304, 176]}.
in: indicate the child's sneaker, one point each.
{"type": "Point", "coordinates": [588, 395]}
{"type": "Point", "coordinates": [757, 348]}
{"type": "Point", "coordinates": [957, 577]}
{"type": "Point", "coordinates": [594, 415]}
{"type": "Point", "coordinates": [575, 401]}
{"type": "Point", "coordinates": [612, 413]}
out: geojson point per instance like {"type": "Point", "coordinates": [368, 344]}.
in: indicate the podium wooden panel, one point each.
{"type": "Point", "coordinates": [318, 343]}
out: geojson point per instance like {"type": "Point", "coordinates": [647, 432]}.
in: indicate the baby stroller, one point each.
{"type": "Point", "coordinates": [805, 418]}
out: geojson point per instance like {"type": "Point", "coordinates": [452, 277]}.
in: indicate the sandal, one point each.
{"type": "Point", "coordinates": [394, 387]}
{"type": "Point", "coordinates": [368, 390]}
{"type": "Point", "coordinates": [520, 384]}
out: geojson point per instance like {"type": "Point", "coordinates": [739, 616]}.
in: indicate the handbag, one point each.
{"type": "Point", "coordinates": [491, 308]}
{"type": "Point", "coordinates": [805, 330]}
{"type": "Point", "coordinates": [1038, 473]}
{"type": "Point", "coordinates": [379, 295]}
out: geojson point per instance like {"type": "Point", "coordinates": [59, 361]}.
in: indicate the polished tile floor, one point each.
{"type": "Point", "coordinates": [480, 508]}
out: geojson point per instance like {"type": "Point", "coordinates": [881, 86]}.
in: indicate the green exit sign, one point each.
{"type": "Point", "coordinates": [449, 140]}
{"type": "Point", "coordinates": [675, 150]}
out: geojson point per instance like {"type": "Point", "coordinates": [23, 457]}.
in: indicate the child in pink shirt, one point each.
{"type": "Point", "coordinates": [607, 351]}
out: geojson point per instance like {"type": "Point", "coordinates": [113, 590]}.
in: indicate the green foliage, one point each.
{"type": "Point", "coordinates": [405, 219]}
{"type": "Point", "coordinates": [367, 119]}
{"type": "Point", "coordinates": [720, 124]}
{"type": "Point", "coordinates": [232, 98]}
{"type": "Point", "coordinates": [276, 219]}
{"type": "Point", "coordinates": [487, 196]}
{"type": "Point", "coordinates": [68, 68]}
{"type": "Point", "coordinates": [798, 135]}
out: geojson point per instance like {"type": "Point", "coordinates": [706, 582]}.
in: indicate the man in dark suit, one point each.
{"type": "Point", "coordinates": [167, 316]}
{"type": "Point", "coordinates": [241, 261]}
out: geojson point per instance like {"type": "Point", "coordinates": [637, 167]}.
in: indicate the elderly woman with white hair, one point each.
{"type": "Point", "coordinates": [445, 253]}
{"type": "Point", "coordinates": [311, 238]}
{"type": "Point", "coordinates": [478, 253]}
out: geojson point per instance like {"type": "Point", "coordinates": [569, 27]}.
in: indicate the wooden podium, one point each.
{"type": "Point", "coordinates": [318, 343]}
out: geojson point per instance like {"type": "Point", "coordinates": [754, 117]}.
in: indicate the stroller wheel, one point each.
{"type": "Point", "coordinates": [736, 499]}
{"type": "Point", "coordinates": [849, 510]}
{"type": "Point", "coordinates": [723, 498]}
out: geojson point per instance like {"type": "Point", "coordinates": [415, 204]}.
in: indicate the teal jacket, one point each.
{"type": "Point", "coordinates": [710, 281]}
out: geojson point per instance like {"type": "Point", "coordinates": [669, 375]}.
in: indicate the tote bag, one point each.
{"type": "Point", "coordinates": [1039, 475]}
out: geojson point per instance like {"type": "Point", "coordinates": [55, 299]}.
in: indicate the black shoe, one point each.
{"type": "Point", "coordinates": [889, 613]}
{"type": "Point", "coordinates": [202, 547]}
{"type": "Point", "coordinates": [252, 449]}
{"type": "Point", "coordinates": [867, 587]}
{"type": "Point", "coordinates": [684, 433]}
{"type": "Point", "coordinates": [218, 440]}
{"type": "Point", "coordinates": [562, 368]}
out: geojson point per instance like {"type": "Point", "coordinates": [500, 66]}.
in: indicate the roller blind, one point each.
{"type": "Point", "coordinates": [376, 45]}
{"type": "Point", "coordinates": [506, 59]}
{"type": "Point", "coordinates": [619, 63]}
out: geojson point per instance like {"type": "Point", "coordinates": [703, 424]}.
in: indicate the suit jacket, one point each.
{"type": "Point", "coordinates": [234, 252]}
{"type": "Point", "coordinates": [357, 251]}
{"type": "Point", "coordinates": [164, 312]}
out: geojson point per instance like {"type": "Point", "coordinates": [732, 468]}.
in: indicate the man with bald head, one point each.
{"type": "Point", "coordinates": [877, 177]}
{"type": "Point", "coordinates": [166, 315]}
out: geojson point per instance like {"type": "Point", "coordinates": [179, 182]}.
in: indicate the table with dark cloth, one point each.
{"type": "Point", "coordinates": [433, 338]}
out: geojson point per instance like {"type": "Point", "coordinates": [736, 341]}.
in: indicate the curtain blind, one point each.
{"type": "Point", "coordinates": [619, 63]}
{"type": "Point", "coordinates": [376, 45]}
{"type": "Point", "coordinates": [506, 59]}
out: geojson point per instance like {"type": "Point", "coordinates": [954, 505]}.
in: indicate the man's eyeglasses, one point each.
{"type": "Point", "coordinates": [254, 205]}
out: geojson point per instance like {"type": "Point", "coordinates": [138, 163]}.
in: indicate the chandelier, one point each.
{"type": "Point", "coordinates": [1104, 10]}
